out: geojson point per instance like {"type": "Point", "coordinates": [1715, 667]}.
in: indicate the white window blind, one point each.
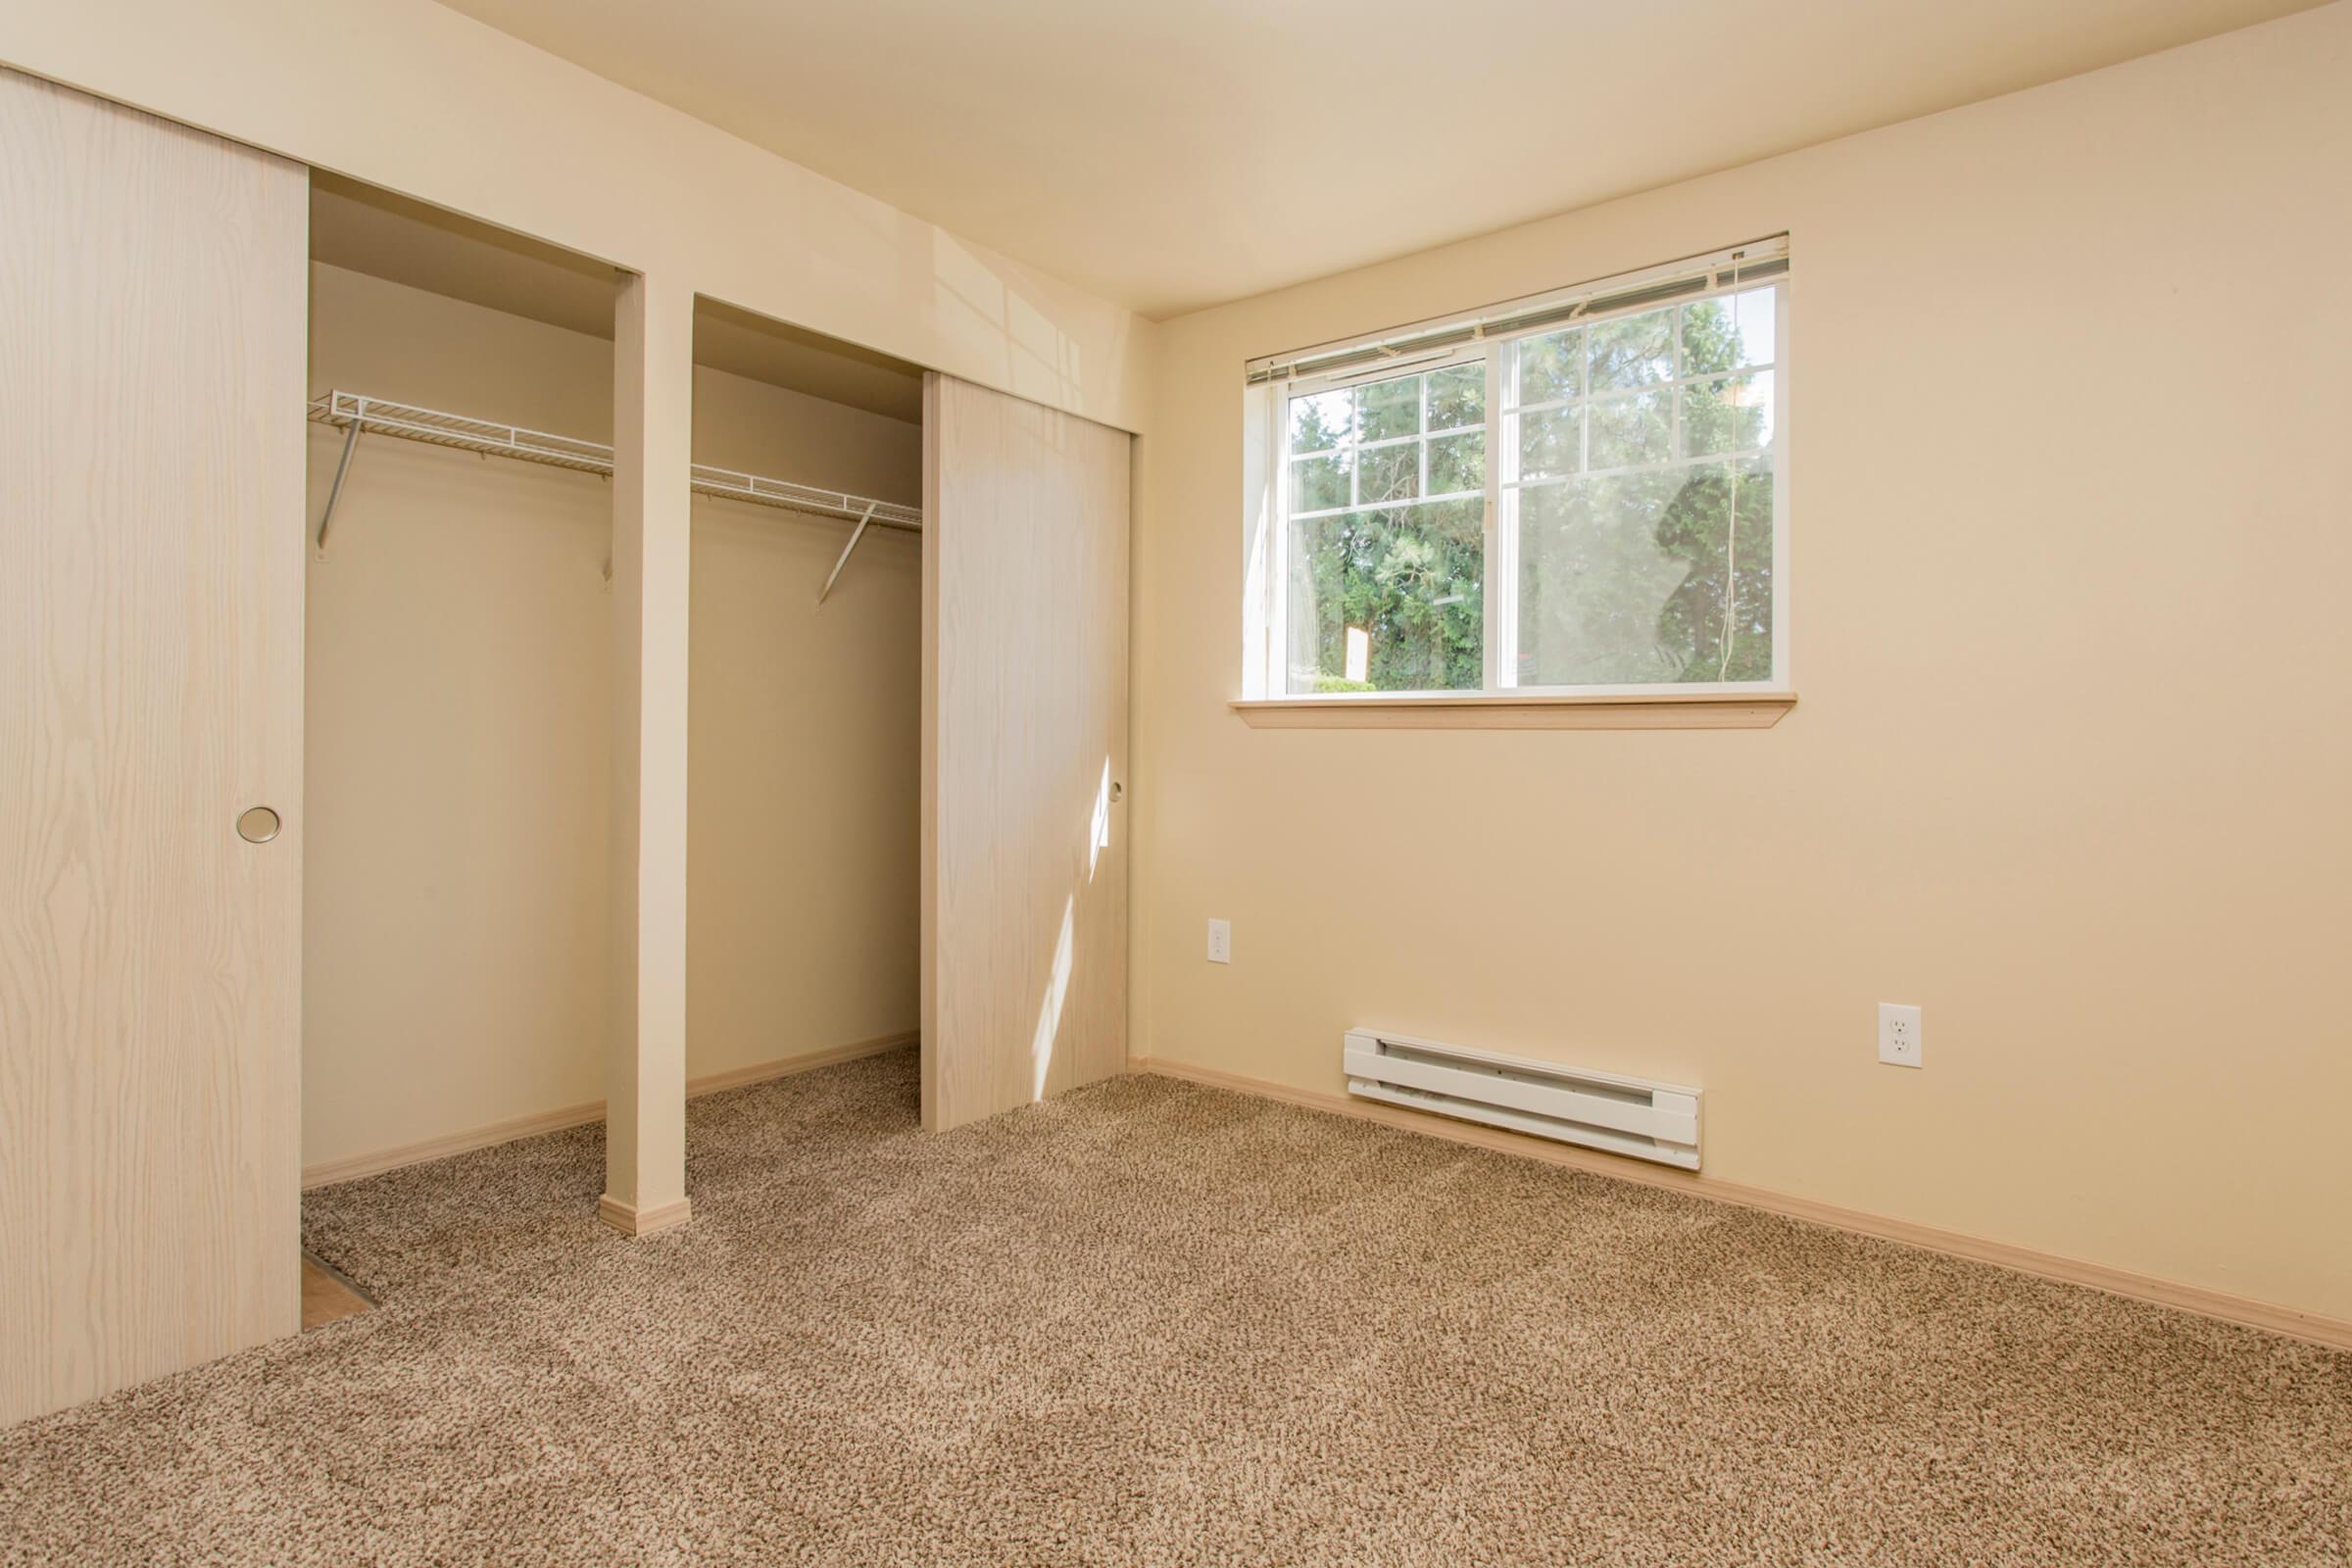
{"type": "Point", "coordinates": [1727, 269]}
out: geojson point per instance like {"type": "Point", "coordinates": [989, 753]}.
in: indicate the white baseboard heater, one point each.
{"type": "Point", "coordinates": [1597, 1110]}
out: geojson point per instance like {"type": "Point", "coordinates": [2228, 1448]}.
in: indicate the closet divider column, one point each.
{"type": "Point", "coordinates": [644, 1071]}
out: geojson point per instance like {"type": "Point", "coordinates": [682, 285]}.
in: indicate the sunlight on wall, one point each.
{"type": "Point", "coordinates": [977, 308]}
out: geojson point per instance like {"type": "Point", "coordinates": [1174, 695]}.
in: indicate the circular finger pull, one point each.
{"type": "Point", "coordinates": [258, 824]}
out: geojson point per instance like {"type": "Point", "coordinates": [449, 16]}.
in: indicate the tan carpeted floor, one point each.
{"type": "Point", "coordinates": [1152, 1323]}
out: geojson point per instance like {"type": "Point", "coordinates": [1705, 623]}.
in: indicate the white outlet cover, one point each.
{"type": "Point", "coordinates": [1220, 941]}
{"type": "Point", "coordinates": [1899, 1042]}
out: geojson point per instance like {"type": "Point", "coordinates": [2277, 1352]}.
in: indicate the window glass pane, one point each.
{"type": "Point", "coordinates": [1638, 462]}
{"type": "Point", "coordinates": [1457, 397]}
{"type": "Point", "coordinates": [1386, 409]}
{"type": "Point", "coordinates": [1318, 424]}
{"type": "Point", "coordinates": [1407, 582]}
{"type": "Point", "coordinates": [1388, 473]}
{"type": "Point", "coordinates": [1730, 415]}
{"type": "Point", "coordinates": [1641, 578]}
{"type": "Point", "coordinates": [1549, 366]}
{"type": "Point", "coordinates": [1729, 333]}
{"type": "Point", "coordinates": [1319, 483]}
{"type": "Point", "coordinates": [1550, 442]}
{"type": "Point", "coordinates": [1632, 429]}
{"type": "Point", "coordinates": [1458, 463]}
{"type": "Point", "coordinates": [1633, 351]}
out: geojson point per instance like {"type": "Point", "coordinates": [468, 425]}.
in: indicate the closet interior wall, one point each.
{"type": "Point", "coordinates": [804, 740]}
{"type": "Point", "coordinates": [459, 699]}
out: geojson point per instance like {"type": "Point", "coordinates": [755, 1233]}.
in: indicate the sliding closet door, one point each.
{"type": "Point", "coordinates": [151, 296]}
{"type": "Point", "coordinates": [1024, 974]}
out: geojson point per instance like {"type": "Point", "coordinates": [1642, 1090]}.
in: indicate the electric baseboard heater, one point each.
{"type": "Point", "coordinates": [1597, 1110]}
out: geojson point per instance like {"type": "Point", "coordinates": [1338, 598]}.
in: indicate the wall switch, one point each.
{"type": "Point", "coordinates": [1220, 941]}
{"type": "Point", "coordinates": [1899, 1035]}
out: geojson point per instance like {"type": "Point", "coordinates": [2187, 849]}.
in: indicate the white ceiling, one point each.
{"type": "Point", "coordinates": [1175, 154]}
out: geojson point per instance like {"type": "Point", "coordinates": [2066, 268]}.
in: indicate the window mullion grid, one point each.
{"type": "Point", "coordinates": [1583, 401]}
{"type": "Point", "coordinates": [1355, 449]}
{"type": "Point", "coordinates": [1421, 434]}
{"type": "Point", "coordinates": [1673, 390]}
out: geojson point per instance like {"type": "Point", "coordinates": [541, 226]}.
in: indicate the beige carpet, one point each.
{"type": "Point", "coordinates": [1154, 1323]}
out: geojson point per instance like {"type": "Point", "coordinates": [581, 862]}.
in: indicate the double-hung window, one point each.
{"type": "Point", "coordinates": [1578, 494]}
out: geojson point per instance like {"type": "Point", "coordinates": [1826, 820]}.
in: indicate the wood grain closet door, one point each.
{"type": "Point", "coordinates": [1024, 967]}
{"type": "Point", "coordinates": [152, 316]}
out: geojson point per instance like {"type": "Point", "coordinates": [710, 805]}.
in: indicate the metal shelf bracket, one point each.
{"type": "Point", "coordinates": [334, 492]}
{"type": "Point", "coordinates": [856, 534]}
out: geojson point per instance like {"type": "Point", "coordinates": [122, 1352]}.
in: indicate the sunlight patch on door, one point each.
{"type": "Point", "coordinates": [1048, 1015]}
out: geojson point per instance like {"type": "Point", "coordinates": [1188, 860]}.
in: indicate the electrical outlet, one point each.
{"type": "Point", "coordinates": [1899, 1035]}
{"type": "Point", "coordinates": [1220, 941]}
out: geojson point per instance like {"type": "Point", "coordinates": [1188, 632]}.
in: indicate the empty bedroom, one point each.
{"type": "Point", "coordinates": [921, 783]}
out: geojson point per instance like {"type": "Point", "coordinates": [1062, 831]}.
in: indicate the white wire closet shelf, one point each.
{"type": "Point", "coordinates": [354, 411]}
{"type": "Point", "coordinates": [465, 433]}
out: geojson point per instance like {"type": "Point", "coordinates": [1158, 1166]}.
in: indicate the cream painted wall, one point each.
{"type": "Point", "coordinates": [459, 681]}
{"type": "Point", "coordinates": [2073, 742]}
{"type": "Point", "coordinates": [417, 98]}
{"type": "Point", "coordinates": [457, 699]}
{"type": "Point", "coordinates": [804, 761]}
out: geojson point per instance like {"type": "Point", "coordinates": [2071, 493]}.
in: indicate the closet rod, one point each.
{"type": "Point", "coordinates": [354, 413]}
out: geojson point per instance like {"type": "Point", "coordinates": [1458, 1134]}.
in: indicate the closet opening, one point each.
{"type": "Point", "coordinates": [460, 684]}
{"type": "Point", "coordinates": [458, 688]}
{"type": "Point", "coordinates": [804, 754]}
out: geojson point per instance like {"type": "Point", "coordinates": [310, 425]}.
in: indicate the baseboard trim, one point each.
{"type": "Point", "coordinates": [2317, 1328]}
{"type": "Point", "coordinates": [630, 1221]}
{"type": "Point", "coordinates": [786, 1067]}
{"type": "Point", "coordinates": [329, 1172]}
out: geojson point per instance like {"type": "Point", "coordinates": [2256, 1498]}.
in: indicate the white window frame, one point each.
{"type": "Point", "coordinates": [1269, 615]}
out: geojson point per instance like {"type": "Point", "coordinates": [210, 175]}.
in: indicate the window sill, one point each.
{"type": "Point", "coordinates": [1665, 710]}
